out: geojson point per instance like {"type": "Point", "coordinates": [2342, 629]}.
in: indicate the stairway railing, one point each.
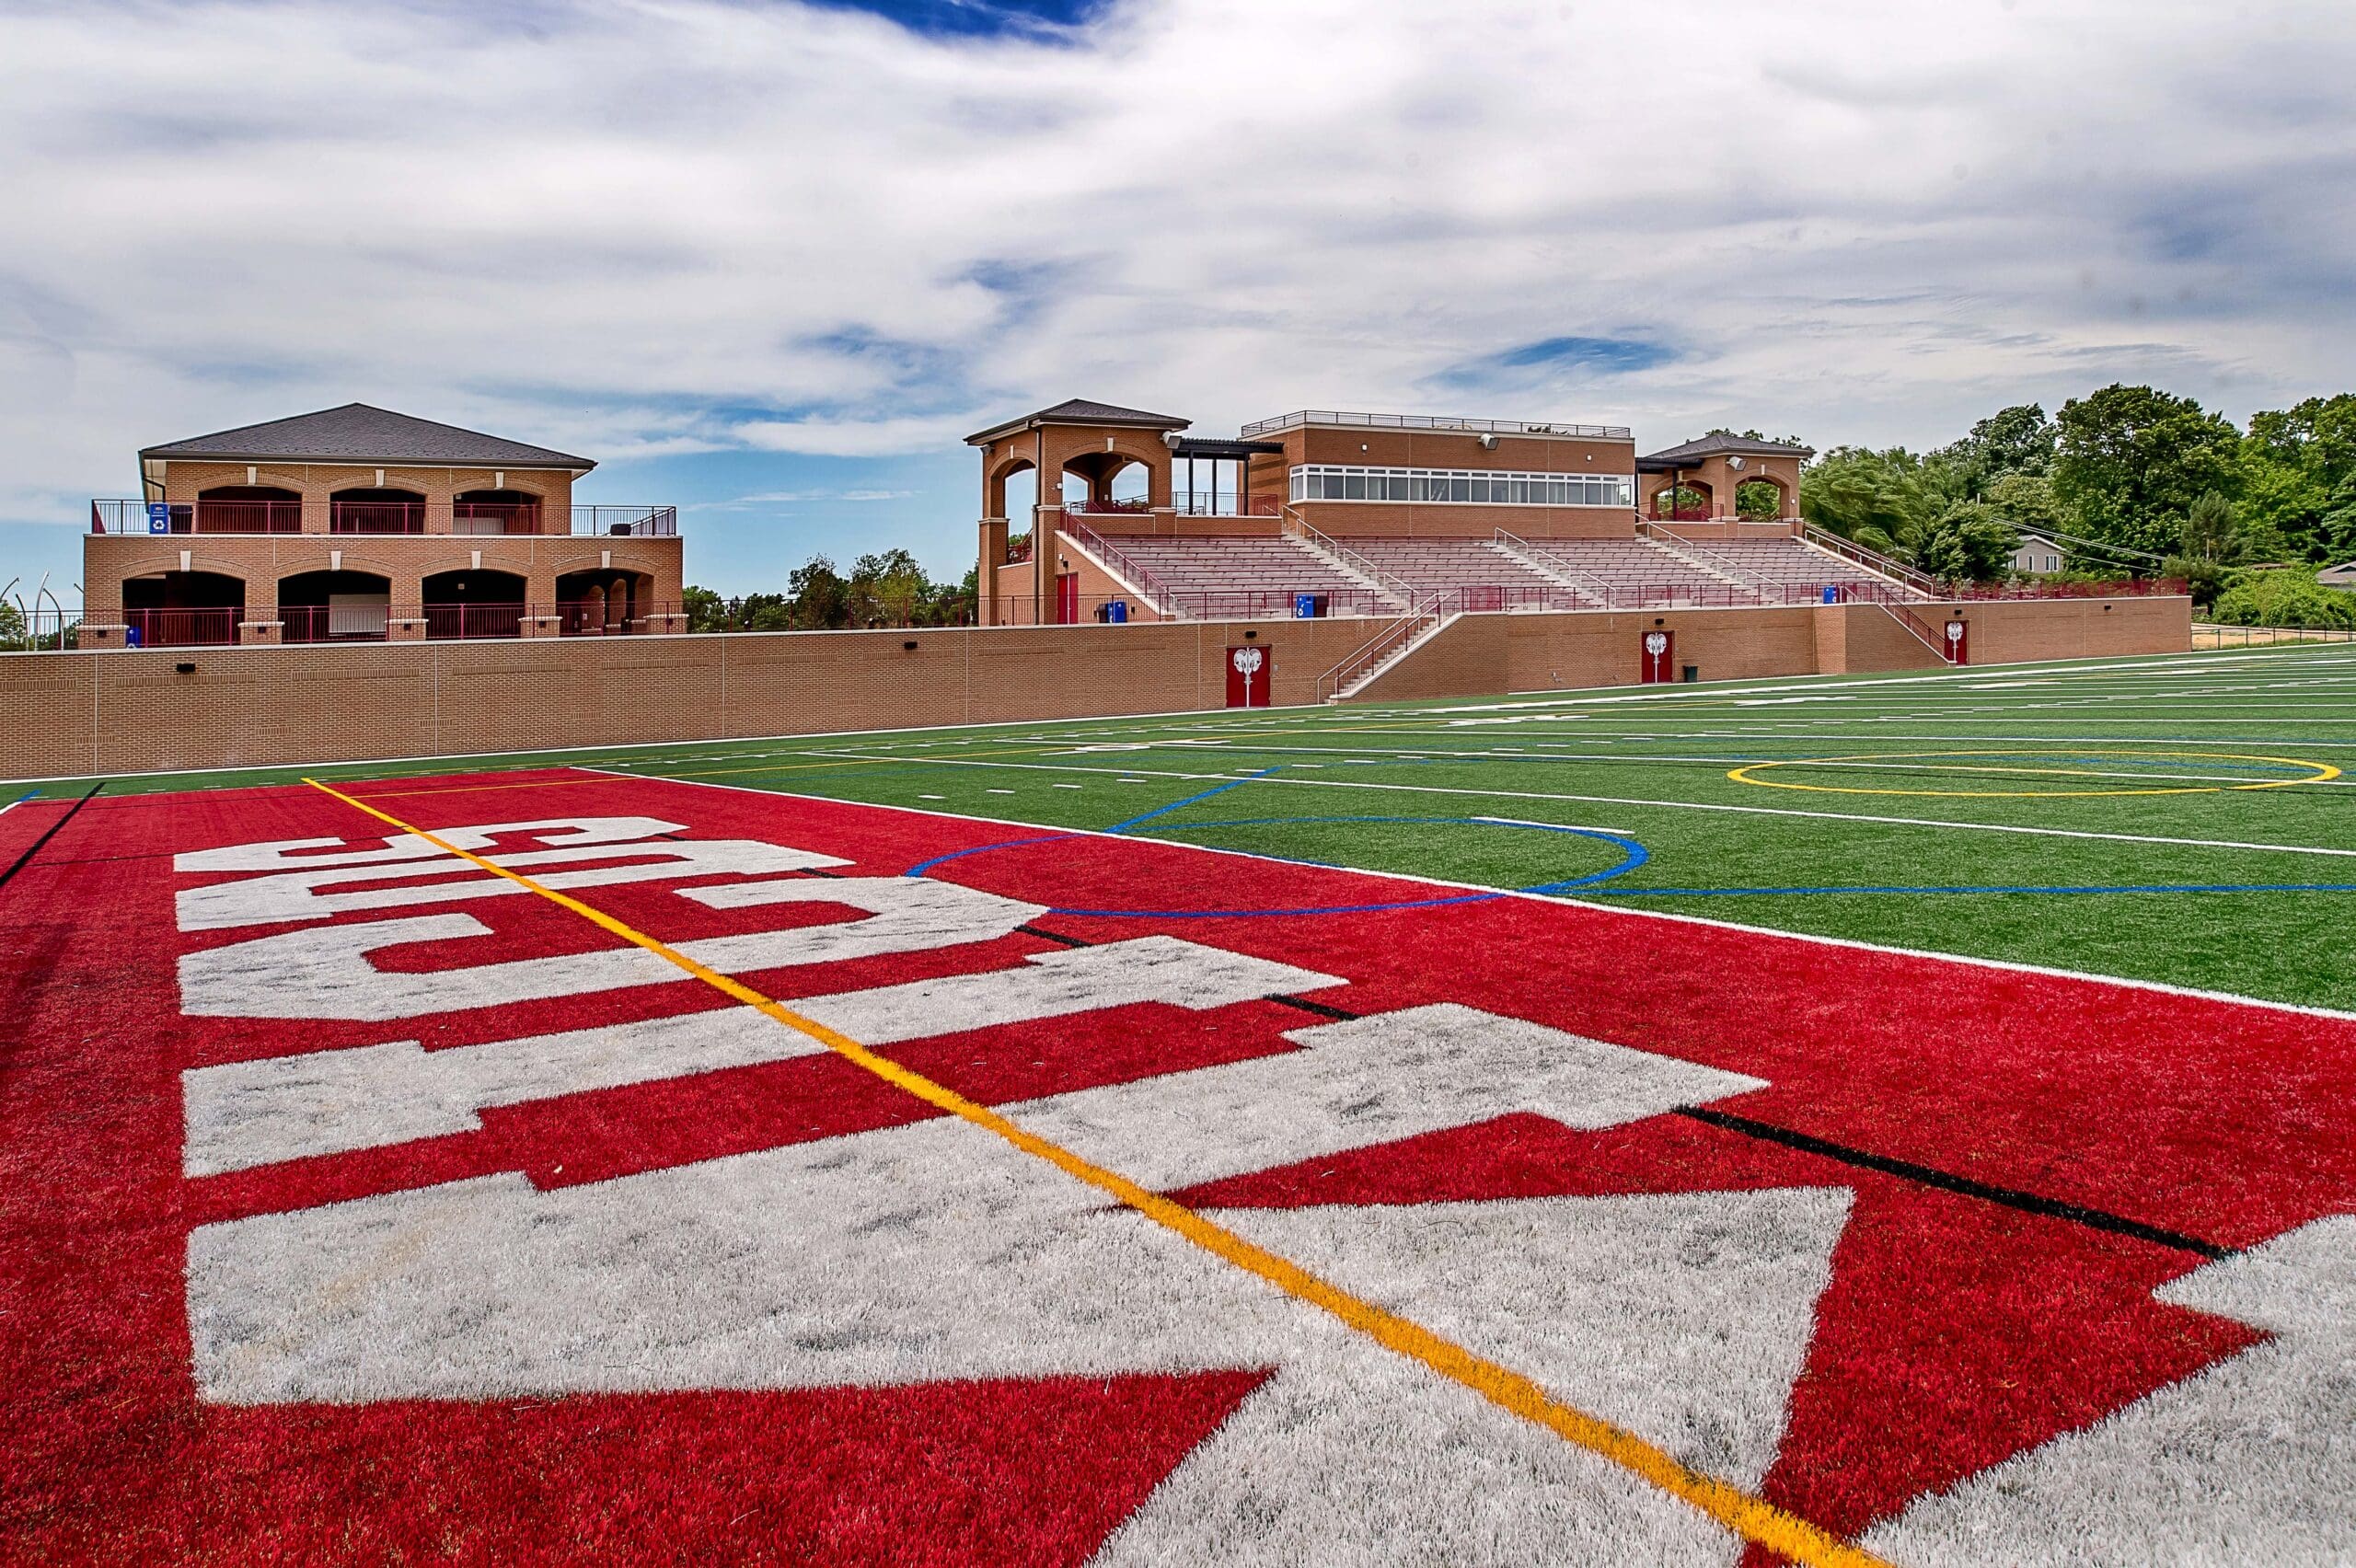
{"type": "Point", "coordinates": [1381, 645]}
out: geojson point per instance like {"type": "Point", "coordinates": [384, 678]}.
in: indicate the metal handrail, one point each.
{"type": "Point", "coordinates": [1924, 633]}
{"type": "Point", "coordinates": [1372, 652]}
{"type": "Point", "coordinates": [1291, 522]}
{"type": "Point", "coordinates": [1678, 544]}
{"type": "Point", "coordinates": [1872, 560]}
{"type": "Point", "coordinates": [1426, 422]}
{"type": "Point", "coordinates": [1550, 561]}
{"type": "Point", "coordinates": [1117, 563]}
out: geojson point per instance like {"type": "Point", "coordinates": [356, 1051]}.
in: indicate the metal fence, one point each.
{"type": "Point", "coordinates": [374, 517]}
{"type": "Point", "coordinates": [2214, 634]}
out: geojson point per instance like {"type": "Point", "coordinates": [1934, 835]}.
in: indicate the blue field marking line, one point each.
{"type": "Point", "coordinates": [1631, 855]}
{"type": "Point", "coordinates": [1137, 821]}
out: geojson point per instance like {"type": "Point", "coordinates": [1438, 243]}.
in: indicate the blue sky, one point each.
{"type": "Point", "coordinates": [769, 261]}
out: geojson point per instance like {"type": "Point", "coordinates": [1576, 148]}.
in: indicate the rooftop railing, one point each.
{"type": "Point", "coordinates": [1428, 421]}
{"type": "Point", "coordinates": [268, 518]}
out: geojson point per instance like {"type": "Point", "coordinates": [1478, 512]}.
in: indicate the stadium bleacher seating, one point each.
{"type": "Point", "coordinates": [1210, 576]}
{"type": "Point", "coordinates": [1213, 576]}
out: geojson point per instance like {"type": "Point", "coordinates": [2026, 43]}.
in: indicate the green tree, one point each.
{"type": "Point", "coordinates": [2209, 531]}
{"type": "Point", "coordinates": [1886, 501]}
{"type": "Point", "coordinates": [2018, 440]}
{"type": "Point", "coordinates": [1759, 501]}
{"type": "Point", "coordinates": [1970, 543]}
{"type": "Point", "coordinates": [820, 598]}
{"type": "Point", "coordinates": [705, 610]}
{"type": "Point", "coordinates": [2298, 478]}
{"type": "Point", "coordinates": [886, 589]}
{"type": "Point", "coordinates": [2203, 578]}
{"type": "Point", "coordinates": [2025, 501]}
{"type": "Point", "coordinates": [2284, 598]}
{"type": "Point", "coordinates": [2130, 462]}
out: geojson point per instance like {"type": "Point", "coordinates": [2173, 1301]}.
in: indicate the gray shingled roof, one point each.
{"type": "Point", "coordinates": [1081, 411]}
{"type": "Point", "coordinates": [1728, 445]}
{"type": "Point", "coordinates": [359, 433]}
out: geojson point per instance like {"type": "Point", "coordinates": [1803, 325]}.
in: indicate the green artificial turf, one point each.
{"type": "Point", "coordinates": [1647, 765]}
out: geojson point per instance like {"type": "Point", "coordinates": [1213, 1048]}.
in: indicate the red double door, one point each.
{"type": "Point", "coordinates": [1656, 657]}
{"type": "Point", "coordinates": [1250, 674]}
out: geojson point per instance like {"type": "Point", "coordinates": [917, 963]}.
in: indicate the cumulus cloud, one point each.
{"type": "Point", "coordinates": [641, 227]}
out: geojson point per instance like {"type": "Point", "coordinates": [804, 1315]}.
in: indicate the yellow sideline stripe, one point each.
{"type": "Point", "coordinates": [1752, 1517]}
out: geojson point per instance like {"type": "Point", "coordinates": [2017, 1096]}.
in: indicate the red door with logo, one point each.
{"type": "Point", "coordinates": [1656, 656]}
{"type": "Point", "coordinates": [1066, 597]}
{"type": "Point", "coordinates": [1247, 671]}
{"type": "Point", "coordinates": [1958, 636]}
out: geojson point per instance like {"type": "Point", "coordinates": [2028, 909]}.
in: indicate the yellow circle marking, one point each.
{"type": "Point", "coordinates": [2322, 771]}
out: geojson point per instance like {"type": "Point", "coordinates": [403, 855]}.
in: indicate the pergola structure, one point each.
{"type": "Point", "coordinates": [1716, 467]}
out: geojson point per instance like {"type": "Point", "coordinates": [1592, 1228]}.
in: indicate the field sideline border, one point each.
{"type": "Point", "coordinates": [2151, 660]}
{"type": "Point", "coordinates": [1765, 932]}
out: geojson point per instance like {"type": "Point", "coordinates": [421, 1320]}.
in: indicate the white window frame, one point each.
{"type": "Point", "coordinates": [1458, 487]}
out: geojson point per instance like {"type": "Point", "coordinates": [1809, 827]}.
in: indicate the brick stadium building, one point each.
{"type": "Point", "coordinates": [1410, 518]}
{"type": "Point", "coordinates": [1347, 513]}
{"type": "Point", "coordinates": [357, 524]}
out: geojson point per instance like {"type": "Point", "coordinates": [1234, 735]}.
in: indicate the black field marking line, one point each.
{"type": "Point", "coordinates": [37, 844]}
{"type": "Point", "coordinates": [1930, 1176]}
{"type": "Point", "coordinates": [1764, 933]}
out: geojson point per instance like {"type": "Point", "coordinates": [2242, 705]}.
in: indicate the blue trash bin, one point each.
{"type": "Point", "coordinates": [1117, 612]}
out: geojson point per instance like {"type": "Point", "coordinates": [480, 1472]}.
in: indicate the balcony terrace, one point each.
{"type": "Point", "coordinates": [376, 516]}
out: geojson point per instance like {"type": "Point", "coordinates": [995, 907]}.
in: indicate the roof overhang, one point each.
{"type": "Point", "coordinates": [345, 460]}
{"type": "Point", "coordinates": [1075, 412]}
{"type": "Point", "coordinates": [1190, 446]}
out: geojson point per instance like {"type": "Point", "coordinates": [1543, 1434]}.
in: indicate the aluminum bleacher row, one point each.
{"type": "Point", "coordinates": [1214, 576]}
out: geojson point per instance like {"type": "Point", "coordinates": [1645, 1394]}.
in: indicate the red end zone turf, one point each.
{"type": "Point", "coordinates": [238, 1329]}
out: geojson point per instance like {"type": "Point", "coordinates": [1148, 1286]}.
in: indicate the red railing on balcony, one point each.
{"type": "Point", "coordinates": [119, 517]}
{"type": "Point", "coordinates": [494, 517]}
{"type": "Point", "coordinates": [248, 516]}
{"type": "Point", "coordinates": [196, 517]}
{"type": "Point", "coordinates": [181, 629]}
{"type": "Point", "coordinates": [375, 517]}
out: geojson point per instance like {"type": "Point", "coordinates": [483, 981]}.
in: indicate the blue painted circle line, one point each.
{"type": "Point", "coordinates": [1631, 855]}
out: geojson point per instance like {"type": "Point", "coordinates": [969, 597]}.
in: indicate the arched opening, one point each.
{"type": "Point", "coordinates": [1107, 483]}
{"type": "Point", "coordinates": [377, 509]}
{"type": "Point", "coordinates": [605, 603]}
{"type": "Point", "coordinates": [1013, 492]}
{"type": "Point", "coordinates": [183, 609]}
{"type": "Point", "coordinates": [1691, 501]}
{"type": "Point", "coordinates": [334, 606]}
{"type": "Point", "coordinates": [495, 511]}
{"type": "Point", "coordinates": [248, 509]}
{"type": "Point", "coordinates": [1761, 498]}
{"type": "Point", "coordinates": [474, 604]}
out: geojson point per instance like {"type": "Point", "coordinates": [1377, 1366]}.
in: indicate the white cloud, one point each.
{"type": "Point", "coordinates": [679, 226]}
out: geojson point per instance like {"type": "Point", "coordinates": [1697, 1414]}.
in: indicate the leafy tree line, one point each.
{"type": "Point", "coordinates": [2153, 481]}
{"type": "Point", "coordinates": [887, 589]}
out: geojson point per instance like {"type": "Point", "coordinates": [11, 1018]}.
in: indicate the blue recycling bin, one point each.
{"type": "Point", "coordinates": [1304, 606]}
{"type": "Point", "coordinates": [1832, 594]}
{"type": "Point", "coordinates": [1117, 612]}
